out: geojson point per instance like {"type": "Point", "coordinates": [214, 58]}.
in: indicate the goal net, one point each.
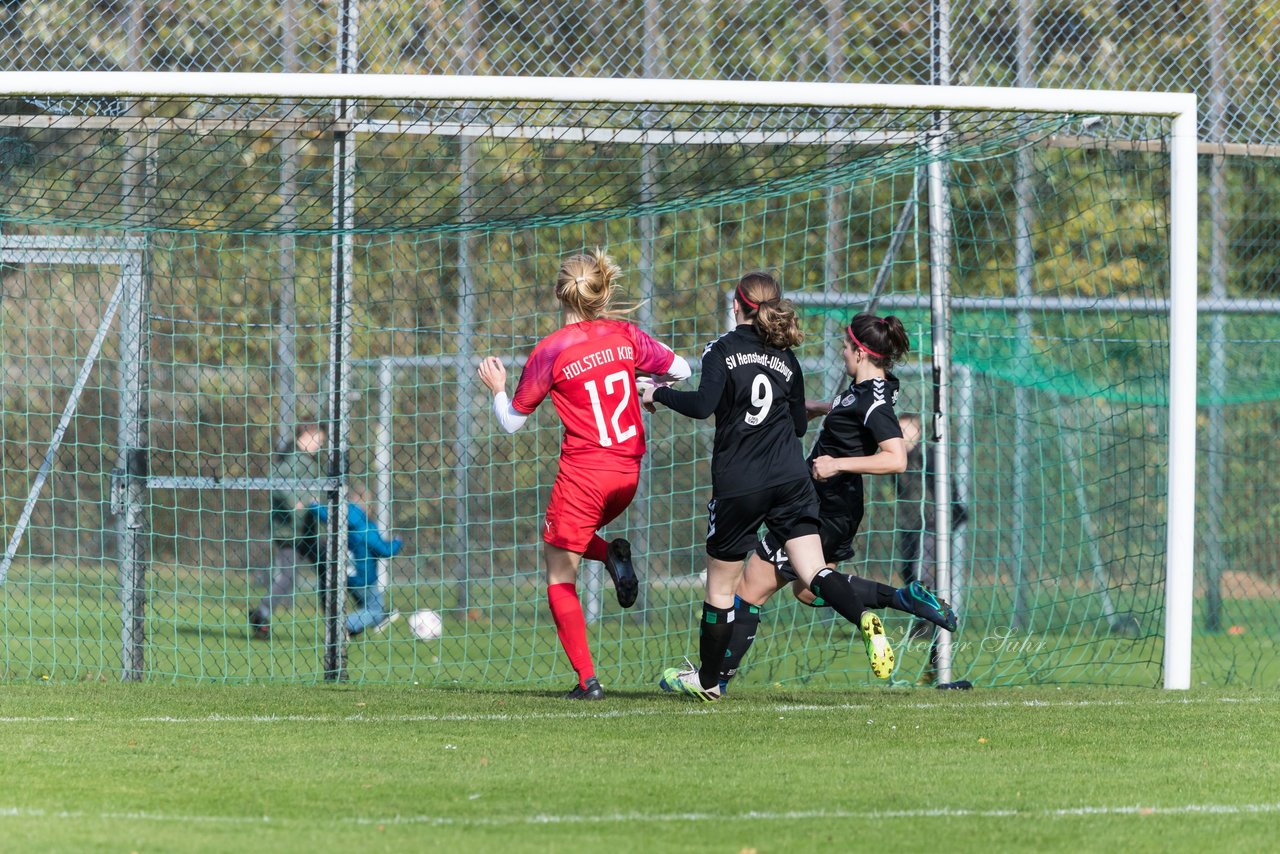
{"type": "Point", "coordinates": [191, 278]}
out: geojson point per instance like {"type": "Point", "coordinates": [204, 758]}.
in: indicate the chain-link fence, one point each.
{"type": "Point", "coordinates": [1224, 52]}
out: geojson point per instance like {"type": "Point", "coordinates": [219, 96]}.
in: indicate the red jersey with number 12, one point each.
{"type": "Point", "coordinates": [589, 369]}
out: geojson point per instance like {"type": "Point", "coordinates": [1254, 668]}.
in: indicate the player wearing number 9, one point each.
{"type": "Point", "coordinates": [751, 381]}
{"type": "Point", "coordinates": [588, 366]}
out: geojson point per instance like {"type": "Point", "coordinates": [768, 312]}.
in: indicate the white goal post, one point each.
{"type": "Point", "coordinates": [1182, 203]}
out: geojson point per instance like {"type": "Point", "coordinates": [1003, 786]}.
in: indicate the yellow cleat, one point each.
{"type": "Point", "coordinates": [879, 651]}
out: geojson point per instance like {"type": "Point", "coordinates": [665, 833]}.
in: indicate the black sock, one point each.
{"type": "Point", "coordinates": [872, 593]}
{"type": "Point", "coordinates": [839, 594]}
{"type": "Point", "coordinates": [713, 640]}
{"type": "Point", "coordinates": [746, 619]}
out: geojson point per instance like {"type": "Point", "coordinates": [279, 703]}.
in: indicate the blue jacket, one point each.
{"type": "Point", "coordinates": [365, 543]}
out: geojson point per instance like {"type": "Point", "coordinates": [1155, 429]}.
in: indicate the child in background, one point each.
{"type": "Point", "coordinates": [366, 545]}
{"type": "Point", "coordinates": [294, 539]}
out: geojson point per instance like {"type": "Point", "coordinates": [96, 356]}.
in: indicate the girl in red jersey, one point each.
{"type": "Point", "coordinates": [588, 366]}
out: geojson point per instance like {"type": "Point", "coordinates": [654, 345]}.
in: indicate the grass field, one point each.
{"type": "Point", "coordinates": [64, 623]}
{"type": "Point", "coordinates": [381, 768]}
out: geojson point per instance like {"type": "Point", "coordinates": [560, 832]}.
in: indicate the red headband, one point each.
{"type": "Point", "coordinates": [753, 305]}
{"type": "Point", "coordinates": [863, 347]}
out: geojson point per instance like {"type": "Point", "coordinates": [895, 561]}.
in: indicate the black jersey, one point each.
{"type": "Point", "coordinates": [861, 417]}
{"type": "Point", "coordinates": [756, 393]}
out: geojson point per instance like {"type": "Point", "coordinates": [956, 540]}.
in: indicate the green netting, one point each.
{"type": "Point", "coordinates": [462, 212]}
{"type": "Point", "coordinates": [263, 166]}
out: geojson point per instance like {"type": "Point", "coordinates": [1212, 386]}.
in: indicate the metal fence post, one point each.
{"type": "Point", "coordinates": [286, 367]}
{"type": "Point", "coordinates": [1024, 262]}
{"type": "Point", "coordinates": [1219, 262]}
{"type": "Point", "coordinates": [132, 464]}
{"type": "Point", "coordinates": [940, 295]}
{"type": "Point", "coordinates": [464, 423]}
{"type": "Point", "coordinates": [132, 471]}
{"type": "Point", "coordinates": [333, 565]}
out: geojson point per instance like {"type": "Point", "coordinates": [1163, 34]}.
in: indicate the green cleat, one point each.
{"type": "Point", "coordinates": [684, 680]}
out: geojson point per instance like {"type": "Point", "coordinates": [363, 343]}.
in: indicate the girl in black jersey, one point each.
{"type": "Point", "coordinates": [753, 384]}
{"type": "Point", "coordinates": [860, 435]}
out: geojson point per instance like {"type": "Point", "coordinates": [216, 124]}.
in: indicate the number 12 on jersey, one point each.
{"type": "Point", "coordinates": [614, 381]}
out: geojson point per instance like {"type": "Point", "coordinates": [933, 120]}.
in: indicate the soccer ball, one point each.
{"type": "Point", "coordinates": [426, 624]}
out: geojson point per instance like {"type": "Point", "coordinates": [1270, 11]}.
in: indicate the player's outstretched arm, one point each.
{"type": "Point", "coordinates": [695, 404]}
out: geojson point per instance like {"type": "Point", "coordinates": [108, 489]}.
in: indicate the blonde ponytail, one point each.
{"type": "Point", "coordinates": [586, 284]}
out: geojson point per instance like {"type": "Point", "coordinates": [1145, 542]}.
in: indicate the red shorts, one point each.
{"type": "Point", "coordinates": [583, 503]}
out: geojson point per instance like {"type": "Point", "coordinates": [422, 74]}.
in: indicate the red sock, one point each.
{"type": "Point", "coordinates": [596, 549]}
{"type": "Point", "coordinates": [571, 626]}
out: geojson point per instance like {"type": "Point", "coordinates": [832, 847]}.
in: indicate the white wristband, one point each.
{"type": "Point", "coordinates": [678, 371]}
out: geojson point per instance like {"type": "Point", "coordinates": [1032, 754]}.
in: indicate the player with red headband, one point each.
{"type": "Point", "coordinates": [860, 435]}
{"type": "Point", "coordinates": [752, 382]}
{"type": "Point", "coordinates": [588, 367]}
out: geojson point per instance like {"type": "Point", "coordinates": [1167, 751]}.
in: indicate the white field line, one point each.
{"type": "Point", "coordinates": [724, 708]}
{"type": "Point", "coordinates": [810, 815]}
{"type": "Point", "coordinates": [657, 818]}
{"type": "Point", "coordinates": [77, 815]}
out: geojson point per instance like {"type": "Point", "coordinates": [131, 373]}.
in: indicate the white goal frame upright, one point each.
{"type": "Point", "coordinates": [344, 89]}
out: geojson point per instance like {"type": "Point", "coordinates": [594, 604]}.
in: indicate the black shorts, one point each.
{"type": "Point", "coordinates": [838, 523]}
{"type": "Point", "coordinates": [788, 510]}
